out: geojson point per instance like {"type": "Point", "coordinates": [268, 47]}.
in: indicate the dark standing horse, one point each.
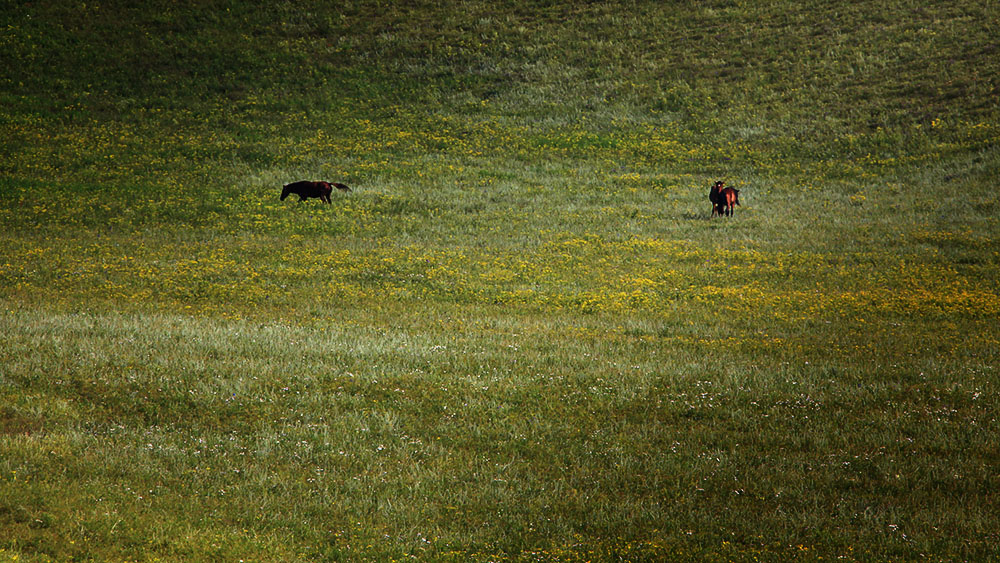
{"type": "Point", "coordinates": [723, 199]}
{"type": "Point", "coordinates": [715, 196]}
{"type": "Point", "coordinates": [306, 189]}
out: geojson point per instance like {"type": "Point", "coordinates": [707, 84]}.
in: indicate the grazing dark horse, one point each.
{"type": "Point", "coordinates": [306, 189]}
{"type": "Point", "coordinates": [723, 199]}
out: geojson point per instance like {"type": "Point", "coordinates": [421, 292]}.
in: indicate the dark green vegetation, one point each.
{"type": "Point", "coordinates": [521, 338]}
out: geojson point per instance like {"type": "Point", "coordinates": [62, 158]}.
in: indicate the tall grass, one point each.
{"type": "Point", "coordinates": [522, 337]}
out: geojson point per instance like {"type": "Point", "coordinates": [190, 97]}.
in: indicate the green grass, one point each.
{"type": "Point", "coordinates": [522, 337]}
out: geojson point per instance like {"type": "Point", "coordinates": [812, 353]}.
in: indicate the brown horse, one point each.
{"type": "Point", "coordinates": [728, 198]}
{"type": "Point", "coordinates": [306, 189]}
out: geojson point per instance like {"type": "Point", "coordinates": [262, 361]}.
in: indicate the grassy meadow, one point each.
{"type": "Point", "coordinates": [522, 337]}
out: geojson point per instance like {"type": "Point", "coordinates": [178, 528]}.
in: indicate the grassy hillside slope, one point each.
{"type": "Point", "coordinates": [522, 337]}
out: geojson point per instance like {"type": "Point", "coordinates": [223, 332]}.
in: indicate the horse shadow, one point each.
{"type": "Point", "coordinates": [693, 216]}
